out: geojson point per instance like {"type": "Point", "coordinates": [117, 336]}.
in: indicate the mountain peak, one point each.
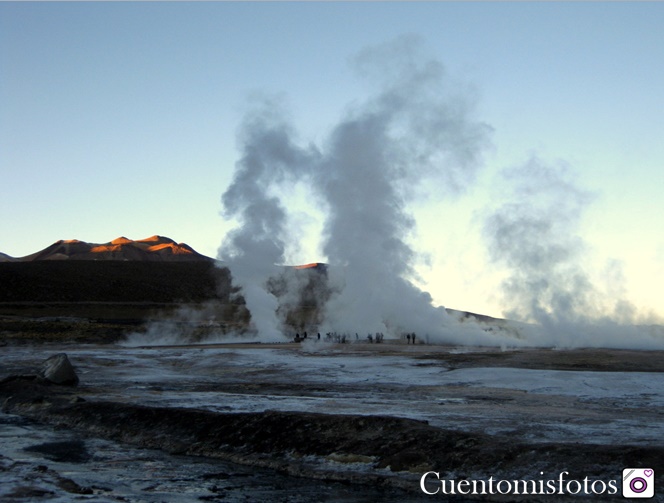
{"type": "Point", "coordinates": [156, 239]}
{"type": "Point", "coordinates": [120, 241]}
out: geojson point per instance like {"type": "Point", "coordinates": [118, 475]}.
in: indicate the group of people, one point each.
{"type": "Point", "coordinates": [410, 338]}
{"type": "Point", "coordinates": [378, 338]}
{"type": "Point", "coordinates": [338, 338]}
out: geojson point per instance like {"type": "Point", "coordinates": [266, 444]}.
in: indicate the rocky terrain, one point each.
{"type": "Point", "coordinates": [372, 415]}
{"type": "Point", "coordinates": [158, 376]}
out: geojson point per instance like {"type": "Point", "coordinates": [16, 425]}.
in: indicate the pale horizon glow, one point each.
{"type": "Point", "coordinates": [120, 119]}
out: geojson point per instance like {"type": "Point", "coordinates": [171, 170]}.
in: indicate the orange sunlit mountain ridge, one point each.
{"type": "Point", "coordinates": [153, 249]}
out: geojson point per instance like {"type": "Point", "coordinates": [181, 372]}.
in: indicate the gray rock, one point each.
{"type": "Point", "coordinates": [59, 370]}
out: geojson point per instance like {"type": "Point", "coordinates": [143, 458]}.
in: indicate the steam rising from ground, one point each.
{"type": "Point", "coordinates": [536, 236]}
{"type": "Point", "coordinates": [254, 248]}
{"type": "Point", "coordinates": [416, 129]}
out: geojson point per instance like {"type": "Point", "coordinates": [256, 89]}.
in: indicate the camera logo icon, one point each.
{"type": "Point", "coordinates": [638, 482]}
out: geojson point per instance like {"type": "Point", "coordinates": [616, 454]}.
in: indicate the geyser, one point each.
{"type": "Point", "coordinates": [415, 135]}
{"type": "Point", "coordinates": [416, 127]}
{"type": "Point", "coordinates": [535, 236]}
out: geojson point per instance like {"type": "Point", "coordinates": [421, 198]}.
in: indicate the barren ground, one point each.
{"type": "Point", "coordinates": [298, 409]}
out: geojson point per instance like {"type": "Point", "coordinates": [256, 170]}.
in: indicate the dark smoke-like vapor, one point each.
{"type": "Point", "coordinates": [536, 236]}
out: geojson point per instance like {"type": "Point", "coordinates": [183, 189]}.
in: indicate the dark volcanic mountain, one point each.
{"type": "Point", "coordinates": [152, 249]}
{"type": "Point", "coordinates": [131, 280]}
{"type": "Point", "coordinates": [127, 282]}
{"type": "Point", "coordinates": [155, 269]}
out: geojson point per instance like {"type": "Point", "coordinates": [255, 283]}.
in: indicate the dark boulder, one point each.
{"type": "Point", "coordinates": [59, 370]}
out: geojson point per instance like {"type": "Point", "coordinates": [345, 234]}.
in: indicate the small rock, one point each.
{"type": "Point", "coordinates": [58, 370]}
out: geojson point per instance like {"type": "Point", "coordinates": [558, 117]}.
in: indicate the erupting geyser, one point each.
{"type": "Point", "coordinates": [415, 128]}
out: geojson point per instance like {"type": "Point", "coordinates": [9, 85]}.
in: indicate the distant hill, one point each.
{"type": "Point", "coordinates": [124, 281]}
{"type": "Point", "coordinates": [6, 258]}
{"type": "Point", "coordinates": [152, 249]}
{"type": "Point", "coordinates": [113, 281]}
{"type": "Point", "coordinates": [143, 272]}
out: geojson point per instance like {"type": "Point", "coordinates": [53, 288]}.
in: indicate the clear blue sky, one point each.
{"type": "Point", "coordinates": [120, 118]}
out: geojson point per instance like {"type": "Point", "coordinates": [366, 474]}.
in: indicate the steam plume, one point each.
{"type": "Point", "coordinates": [536, 236]}
{"type": "Point", "coordinates": [254, 248]}
{"type": "Point", "coordinates": [416, 127]}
